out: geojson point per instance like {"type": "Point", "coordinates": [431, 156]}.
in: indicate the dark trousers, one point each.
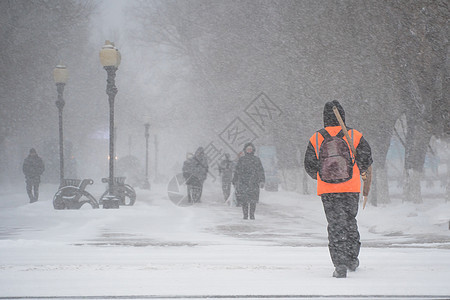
{"type": "Point", "coordinates": [343, 236]}
{"type": "Point", "coordinates": [248, 207]}
{"type": "Point", "coordinates": [226, 189]}
{"type": "Point", "coordinates": [32, 189]}
{"type": "Point", "coordinates": [194, 193]}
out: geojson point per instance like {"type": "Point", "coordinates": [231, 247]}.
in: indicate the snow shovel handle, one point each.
{"type": "Point", "coordinates": [367, 180]}
{"type": "Point", "coordinates": [344, 129]}
{"type": "Point", "coordinates": [367, 176]}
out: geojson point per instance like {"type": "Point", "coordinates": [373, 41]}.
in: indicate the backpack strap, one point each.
{"type": "Point", "coordinates": [353, 154]}
{"type": "Point", "coordinates": [341, 135]}
{"type": "Point", "coordinates": [317, 145]}
{"type": "Point", "coordinates": [324, 134]}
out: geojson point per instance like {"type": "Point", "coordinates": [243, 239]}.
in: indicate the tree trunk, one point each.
{"type": "Point", "coordinates": [380, 187]}
{"type": "Point", "coordinates": [291, 180]}
{"type": "Point", "coordinates": [411, 189]}
{"type": "Point", "coordinates": [380, 148]}
{"type": "Point", "coordinates": [417, 141]}
{"type": "Point", "coordinates": [447, 187]}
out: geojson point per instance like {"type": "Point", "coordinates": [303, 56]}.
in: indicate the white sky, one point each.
{"type": "Point", "coordinates": [110, 22]}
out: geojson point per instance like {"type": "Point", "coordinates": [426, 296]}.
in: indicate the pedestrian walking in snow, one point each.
{"type": "Point", "coordinates": [248, 178]}
{"type": "Point", "coordinates": [195, 171]}
{"type": "Point", "coordinates": [226, 167]}
{"type": "Point", "coordinates": [330, 161]}
{"type": "Point", "coordinates": [235, 197]}
{"type": "Point", "coordinates": [33, 167]}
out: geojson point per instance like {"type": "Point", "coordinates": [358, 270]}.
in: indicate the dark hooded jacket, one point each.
{"type": "Point", "coordinates": [226, 169]}
{"type": "Point", "coordinates": [248, 176]}
{"type": "Point", "coordinates": [363, 151]}
{"type": "Point", "coordinates": [196, 168]}
{"type": "Point", "coordinates": [33, 167]}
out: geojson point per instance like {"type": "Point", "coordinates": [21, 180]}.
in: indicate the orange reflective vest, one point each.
{"type": "Point", "coordinates": [351, 186]}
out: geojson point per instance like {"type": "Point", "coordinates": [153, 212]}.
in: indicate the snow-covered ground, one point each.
{"type": "Point", "coordinates": [157, 249]}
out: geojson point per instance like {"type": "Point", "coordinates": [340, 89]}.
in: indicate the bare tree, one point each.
{"type": "Point", "coordinates": [422, 53]}
{"type": "Point", "coordinates": [34, 37]}
{"type": "Point", "coordinates": [309, 52]}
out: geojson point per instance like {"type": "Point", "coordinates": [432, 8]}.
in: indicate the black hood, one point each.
{"type": "Point", "coordinates": [329, 119]}
{"type": "Point", "coordinates": [249, 144]}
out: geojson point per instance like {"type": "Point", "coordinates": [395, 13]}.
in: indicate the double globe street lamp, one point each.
{"type": "Point", "coordinates": [110, 59]}
{"type": "Point", "coordinates": [60, 75]}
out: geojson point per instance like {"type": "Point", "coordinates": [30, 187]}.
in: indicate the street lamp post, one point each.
{"type": "Point", "coordinates": [147, 135]}
{"type": "Point", "coordinates": [156, 159]}
{"type": "Point", "coordinates": [60, 76]}
{"type": "Point", "coordinates": [110, 59]}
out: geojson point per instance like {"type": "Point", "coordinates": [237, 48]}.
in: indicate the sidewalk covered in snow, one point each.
{"type": "Point", "coordinates": [157, 249]}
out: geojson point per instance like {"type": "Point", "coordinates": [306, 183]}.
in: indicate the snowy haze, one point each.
{"type": "Point", "coordinates": [200, 72]}
{"type": "Point", "coordinates": [189, 69]}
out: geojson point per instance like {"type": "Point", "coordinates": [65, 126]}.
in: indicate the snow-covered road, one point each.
{"type": "Point", "coordinates": [156, 249]}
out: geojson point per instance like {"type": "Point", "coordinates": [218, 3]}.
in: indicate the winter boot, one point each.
{"type": "Point", "coordinates": [353, 265]}
{"type": "Point", "coordinates": [340, 271]}
{"type": "Point", "coordinates": [252, 211]}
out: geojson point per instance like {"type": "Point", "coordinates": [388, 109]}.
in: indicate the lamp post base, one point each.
{"type": "Point", "coordinates": [146, 185]}
{"type": "Point", "coordinates": [110, 201]}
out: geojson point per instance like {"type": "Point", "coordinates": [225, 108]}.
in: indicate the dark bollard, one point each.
{"type": "Point", "coordinates": [110, 202]}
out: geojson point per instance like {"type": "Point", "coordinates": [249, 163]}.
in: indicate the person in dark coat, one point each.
{"type": "Point", "coordinates": [340, 200]}
{"type": "Point", "coordinates": [33, 167]}
{"type": "Point", "coordinates": [226, 172]}
{"type": "Point", "coordinates": [248, 179]}
{"type": "Point", "coordinates": [195, 171]}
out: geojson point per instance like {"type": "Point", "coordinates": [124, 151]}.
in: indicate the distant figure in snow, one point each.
{"type": "Point", "coordinates": [248, 178]}
{"type": "Point", "coordinates": [33, 167]}
{"type": "Point", "coordinates": [195, 171]}
{"type": "Point", "coordinates": [226, 172]}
